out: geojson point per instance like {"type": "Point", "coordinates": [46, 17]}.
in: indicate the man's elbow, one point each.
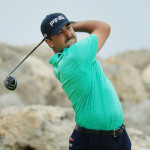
{"type": "Point", "coordinates": [107, 29]}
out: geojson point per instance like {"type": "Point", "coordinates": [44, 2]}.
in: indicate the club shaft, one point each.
{"type": "Point", "coordinates": [26, 57]}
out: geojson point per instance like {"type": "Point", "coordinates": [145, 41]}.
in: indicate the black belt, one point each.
{"type": "Point", "coordinates": [115, 133]}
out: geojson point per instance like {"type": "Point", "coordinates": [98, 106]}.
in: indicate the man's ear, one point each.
{"type": "Point", "coordinates": [49, 42]}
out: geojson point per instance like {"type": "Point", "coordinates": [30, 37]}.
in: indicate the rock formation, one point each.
{"type": "Point", "coordinates": [38, 114]}
{"type": "Point", "coordinates": [46, 127]}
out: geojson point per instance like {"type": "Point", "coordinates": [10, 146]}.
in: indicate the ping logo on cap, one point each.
{"type": "Point", "coordinates": [55, 20]}
{"type": "Point", "coordinates": [52, 24]}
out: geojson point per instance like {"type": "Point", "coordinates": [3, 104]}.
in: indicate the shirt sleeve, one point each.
{"type": "Point", "coordinates": [85, 50]}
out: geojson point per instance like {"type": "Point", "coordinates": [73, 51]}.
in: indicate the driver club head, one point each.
{"type": "Point", "coordinates": [10, 82]}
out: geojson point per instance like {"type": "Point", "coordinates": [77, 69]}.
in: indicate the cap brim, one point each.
{"type": "Point", "coordinates": [58, 29]}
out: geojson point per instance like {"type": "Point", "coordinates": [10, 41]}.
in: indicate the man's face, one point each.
{"type": "Point", "coordinates": [64, 39]}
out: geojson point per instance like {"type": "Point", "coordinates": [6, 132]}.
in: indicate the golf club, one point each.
{"type": "Point", "coordinates": [11, 82]}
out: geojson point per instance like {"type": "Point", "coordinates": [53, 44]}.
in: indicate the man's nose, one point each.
{"type": "Point", "coordinates": [68, 33]}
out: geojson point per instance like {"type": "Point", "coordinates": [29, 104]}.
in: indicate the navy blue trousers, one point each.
{"type": "Point", "coordinates": [81, 141]}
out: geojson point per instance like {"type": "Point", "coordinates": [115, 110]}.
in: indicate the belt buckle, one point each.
{"type": "Point", "coordinates": [114, 133]}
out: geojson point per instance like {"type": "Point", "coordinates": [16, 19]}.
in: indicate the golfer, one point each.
{"type": "Point", "coordinates": [98, 112]}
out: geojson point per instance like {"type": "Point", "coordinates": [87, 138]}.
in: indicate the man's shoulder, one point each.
{"type": "Point", "coordinates": [87, 39]}
{"type": "Point", "coordinates": [83, 44]}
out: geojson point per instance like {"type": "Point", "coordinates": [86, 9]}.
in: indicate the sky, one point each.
{"type": "Point", "coordinates": [129, 20]}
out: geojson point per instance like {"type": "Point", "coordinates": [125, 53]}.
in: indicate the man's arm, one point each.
{"type": "Point", "coordinates": [101, 29]}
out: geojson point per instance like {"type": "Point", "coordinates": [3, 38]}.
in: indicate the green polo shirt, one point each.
{"type": "Point", "coordinates": [92, 95]}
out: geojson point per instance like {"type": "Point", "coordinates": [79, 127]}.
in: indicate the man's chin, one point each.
{"type": "Point", "coordinates": [68, 46]}
{"type": "Point", "coordinates": [70, 43]}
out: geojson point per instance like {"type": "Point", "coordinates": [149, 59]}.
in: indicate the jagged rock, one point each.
{"type": "Point", "coordinates": [137, 115]}
{"type": "Point", "coordinates": [126, 80]}
{"type": "Point", "coordinates": [0, 61]}
{"type": "Point", "coordinates": [10, 99]}
{"type": "Point", "coordinates": [140, 141]}
{"type": "Point", "coordinates": [146, 74]}
{"type": "Point", "coordinates": [146, 78]}
{"type": "Point", "coordinates": [36, 81]}
{"type": "Point", "coordinates": [45, 127]}
{"type": "Point", "coordinates": [35, 127]}
{"type": "Point", "coordinates": [139, 58]}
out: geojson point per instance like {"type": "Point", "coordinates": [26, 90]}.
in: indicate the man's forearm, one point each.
{"type": "Point", "coordinates": [100, 29]}
{"type": "Point", "coordinates": [89, 26]}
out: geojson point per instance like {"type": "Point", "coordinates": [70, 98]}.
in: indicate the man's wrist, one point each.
{"type": "Point", "coordinates": [79, 26]}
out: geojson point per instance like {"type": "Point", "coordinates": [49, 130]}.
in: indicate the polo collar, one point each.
{"type": "Point", "coordinates": [57, 57]}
